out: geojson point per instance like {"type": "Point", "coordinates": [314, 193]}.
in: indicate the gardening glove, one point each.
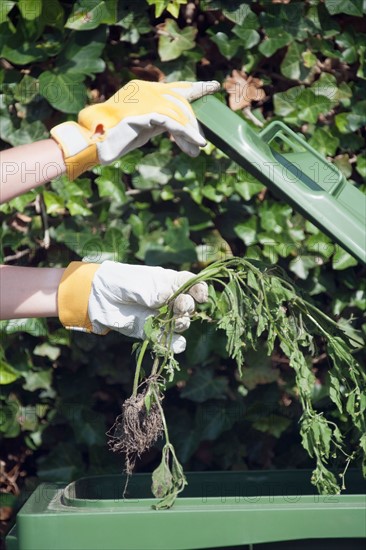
{"type": "Point", "coordinates": [136, 113]}
{"type": "Point", "coordinates": [114, 296]}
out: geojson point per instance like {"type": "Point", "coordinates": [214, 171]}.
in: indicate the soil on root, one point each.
{"type": "Point", "coordinates": [135, 430]}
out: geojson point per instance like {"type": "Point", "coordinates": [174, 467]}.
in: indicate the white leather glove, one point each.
{"type": "Point", "coordinates": [115, 296]}
{"type": "Point", "coordinates": [136, 113]}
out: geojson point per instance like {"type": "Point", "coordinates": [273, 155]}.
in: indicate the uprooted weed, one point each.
{"type": "Point", "coordinates": [252, 302]}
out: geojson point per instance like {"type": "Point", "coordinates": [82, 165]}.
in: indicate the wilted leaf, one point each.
{"type": "Point", "coordinates": [243, 90]}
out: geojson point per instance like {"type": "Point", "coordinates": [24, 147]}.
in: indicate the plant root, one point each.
{"type": "Point", "coordinates": [136, 429]}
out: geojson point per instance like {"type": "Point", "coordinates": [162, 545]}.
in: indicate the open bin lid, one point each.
{"type": "Point", "coordinates": [299, 175]}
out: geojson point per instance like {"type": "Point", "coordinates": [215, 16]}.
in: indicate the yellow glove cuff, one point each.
{"type": "Point", "coordinates": [78, 147]}
{"type": "Point", "coordinates": [73, 295]}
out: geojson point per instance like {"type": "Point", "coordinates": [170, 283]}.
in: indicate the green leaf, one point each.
{"type": "Point", "coordinates": [77, 207]}
{"type": "Point", "coordinates": [54, 203]}
{"type": "Point", "coordinates": [81, 55]}
{"type": "Point", "coordinates": [9, 424]}
{"type": "Point", "coordinates": [26, 90]}
{"type": "Point", "coordinates": [247, 231]}
{"type": "Point", "coordinates": [28, 132]}
{"type": "Point", "coordinates": [65, 92]}
{"type": "Point", "coordinates": [47, 350]}
{"type": "Point", "coordinates": [153, 170]}
{"type": "Point", "coordinates": [324, 141]}
{"type": "Point", "coordinates": [310, 106]}
{"type": "Point", "coordinates": [258, 369]}
{"type": "Point", "coordinates": [361, 164]}
{"type": "Point", "coordinates": [286, 102]}
{"type": "Point", "coordinates": [216, 417]}
{"type": "Point", "coordinates": [203, 386]}
{"type": "Point", "coordinates": [227, 46]}
{"type": "Point", "coordinates": [7, 373]}
{"type": "Point", "coordinates": [35, 380]}
{"type": "Point", "coordinates": [18, 50]}
{"type": "Point", "coordinates": [276, 39]}
{"type": "Point", "coordinates": [350, 7]}
{"type": "Point", "coordinates": [6, 6]}
{"type": "Point", "coordinates": [357, 118]}
{"type": "Point", "coordinates": [53, 14]}
{"type": "Point", "coordinates": [342, 259]}
{"type": "Point", "coordinates": [174, 41]}
{"type": "Point", "coordinates": [273, 424]}
{"type": "Point", "coordinates": [343, 164]}
{"type": "Point", "coordinates": [248, 37]}
{"type": "Point", "coordinates": [89, 14]}
{"type": "Point", "coordinates": [34, 327]}
{"type": "Point", "coordinates": [335, 391]}
{"type": "Point", "coordinates": [30, 9]}
{"type": "Point", "coordinates": [247, 189]}
{"type": "Point", "coordinates": [291, 66]}
{"type": "Point", "coordinates": [176, 246]}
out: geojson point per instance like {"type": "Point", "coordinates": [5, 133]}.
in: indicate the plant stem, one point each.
{"type": "Point", "coordinates": [138, 367]}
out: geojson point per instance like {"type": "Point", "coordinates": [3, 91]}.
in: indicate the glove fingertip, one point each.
{"type": "Point", "coordinates": [179, 344]}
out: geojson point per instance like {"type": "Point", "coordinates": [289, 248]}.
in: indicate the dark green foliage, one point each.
{"type": "Point", "coordinates": [62, 391]}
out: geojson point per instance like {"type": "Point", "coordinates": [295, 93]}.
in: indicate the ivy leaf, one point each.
{"type": "Point", "coordinates": [7, 373]}
{"type": "Point", "coordinates": [36, 380]}
{"type": "Point", "coordinates": [174, 41]}
{"type": "Point", "coordinates": [6, 6]}
{"type": "Point", "coordinates": [258, 369]}
{"type": "Point", "coordinates": [54, 203]}
{"type": "Point", "coordinates": [276, 39]}
{"type": "Point", "coordinates": [216, 417]}
{"type": "Point", "coordinates": [172, 6]}
{"type": "Point", "coordinates": [285, 103]}
{"type": "Point", "coordinates": [34, 327]}
{"type": "Point", "coordinates": [361, 165]}
{"type": "Point", "coordinates": [9, 424]}
{"type": "Point", "coordinates": [325, 142]}
{"type": "Point", "coordinates": [342, 162]}
{"type": "Point", "coordinates": [28, 132]}
{"type": "Point", "coordinates": [291, 65]}
{"type": "Point", "coordinates": [248, 37]}
{"type": "Point", "coordinates": [65, 92]}
{"type": "Point", "coordinates": [342, 259]}
{"type": "Point", "coordinates": [310, 106]}
{"type": "Point", "coordinates": [350, 7]}
{"type": "Point", "coordinates": [30, 9]}
{"type": "Point", "coordinates": [203, 386]}
{"type": "Point", "coordinates": [227, 46]}
{"type": "Point", "coordinates": [152, 169]}
{"type": "Point", "coordinates": [89, 14]}
{"type": "Point", "coordinates": [81, 55]}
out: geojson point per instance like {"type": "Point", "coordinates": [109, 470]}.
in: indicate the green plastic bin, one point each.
{"type": "Point", "coordinates": [284, 162]}
{"type": "Point", "coordinates": [273, 509]}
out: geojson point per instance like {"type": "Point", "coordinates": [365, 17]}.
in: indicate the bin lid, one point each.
{"type": "Point", "coordinates": [284, 162]}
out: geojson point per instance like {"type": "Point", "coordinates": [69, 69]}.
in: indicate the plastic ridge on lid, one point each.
{"type": "Point", "coordinates": [284, 162]}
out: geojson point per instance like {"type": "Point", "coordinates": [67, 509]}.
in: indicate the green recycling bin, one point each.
{"type": "Point", "coordinates": [246, 510]}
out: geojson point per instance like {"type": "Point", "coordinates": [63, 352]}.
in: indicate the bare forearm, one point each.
{"type": "Point", "coordinates": [28, 292]}
{"type": "Point", "coordinates": [28, 166]}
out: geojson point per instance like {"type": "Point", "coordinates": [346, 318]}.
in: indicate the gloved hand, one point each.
{"type": "Point", "coordinates": [115, 296]}
{"type": "Point", "coordinates": [136, 113]}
